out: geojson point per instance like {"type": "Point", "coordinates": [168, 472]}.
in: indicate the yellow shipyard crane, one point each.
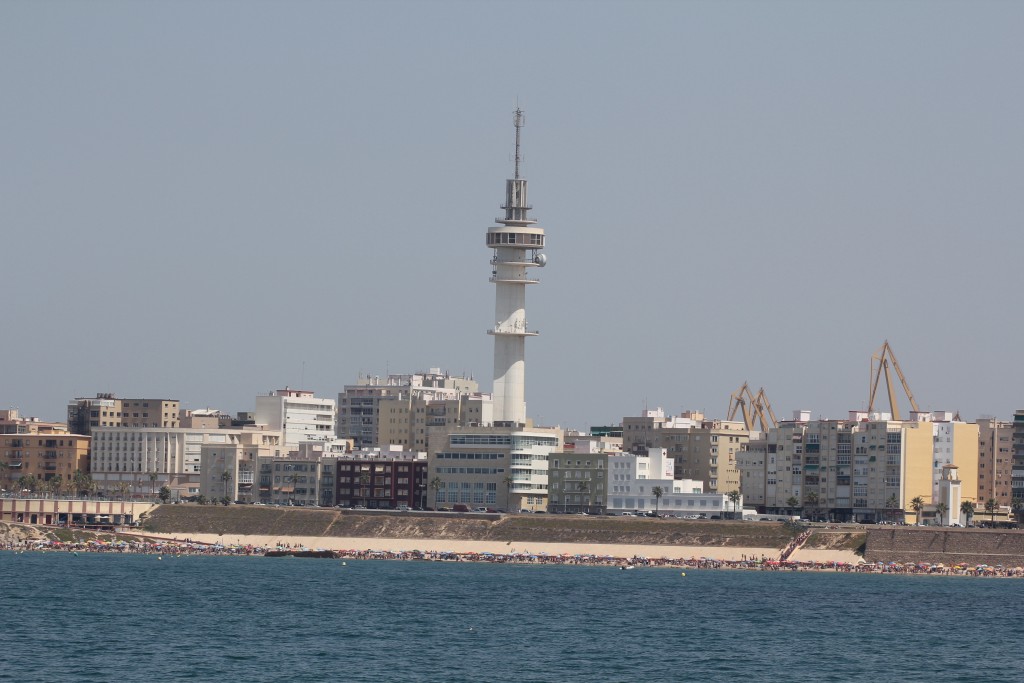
{"type": "Point", "coordinates": [880, 362]}
{"type": "Point", "coordinates": [756, 409]}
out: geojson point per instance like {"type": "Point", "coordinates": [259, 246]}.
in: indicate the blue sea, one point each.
{"type": "Point", "coordinates": [94, 617]}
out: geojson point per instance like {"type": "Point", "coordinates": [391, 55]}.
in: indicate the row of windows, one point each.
{"type": "Point", "coordinates": [469, 470]}
{"type": "Point", "coordinates": [525, 239]}
{"type": "Point", "coordinates": [480, 440]}
{"type": "Point", "coordinates": [470, 456]}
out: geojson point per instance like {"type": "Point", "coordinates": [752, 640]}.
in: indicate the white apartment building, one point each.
{"type": "Point", "coordinates": [148, 458]}
{"type": "Point", "coordinates": [298, 415]}
{"type": "Point", "coordinates": [633, 478]}
{"type": "Point", "coordinates": [504, 467]}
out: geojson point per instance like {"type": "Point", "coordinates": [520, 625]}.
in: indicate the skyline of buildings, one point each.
{"type": "Point", "coordinates": [486, 451]}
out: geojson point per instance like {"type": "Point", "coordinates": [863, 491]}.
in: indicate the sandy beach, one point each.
{"type": "Point", "coordinates": [503, 547]}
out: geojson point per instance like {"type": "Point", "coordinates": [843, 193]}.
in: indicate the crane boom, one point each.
{"type": "Point", "coordinates": [882, 357]}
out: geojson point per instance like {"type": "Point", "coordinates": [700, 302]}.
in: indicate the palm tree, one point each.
{"type": "Point", "coordinates": [152, 482]}
{"type": "Point", "coordinates": [967, 510]}
{"type": "Point", "coordinates": [990, 507]}
{"type": "Point", "coordinates": [1017, 505]}
{"type": "Point", "coordinates": [436, 485]}
{"type": "Point", "coordinates": [917, 505]}
{"type": "Point", "coordinates": [225, 477]}
{"type": "Point", "coordinates": [364, 483]}
{"type": "Point", "coordinates": [734, 498]}
{"type": "Point", "coordinates": [584, 488]}
{"type": "Point", "coordinates": [28, 482]}
{"type": "Point", "coordinates": [5, 474]}
{"type": "Point", "coordinates": [122, 488]}
{"type": "Point", "coordinates": [940, 510]}
{"type": "Point", "coordinates": [293, 479]}
{"type": "Point", "coordinates": [890, 506]}
{"type": "Point", "coordinates": [657, 492]}
{"type": "Point", "coordinates": [792, 503]}
{"type": "Point", "coordinates": [507, 481]}
{"type": "Point", "coordinates": [812, 500]}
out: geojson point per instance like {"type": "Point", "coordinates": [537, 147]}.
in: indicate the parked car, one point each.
{"type": "Point", "coordinates": [459, 507]}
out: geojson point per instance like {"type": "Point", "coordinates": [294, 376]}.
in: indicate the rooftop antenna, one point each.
{"type": "Point", "coordinates": [518, 120]}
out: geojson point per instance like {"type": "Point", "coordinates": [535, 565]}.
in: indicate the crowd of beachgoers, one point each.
{"type": "Point", "coordinates": [185, 547]}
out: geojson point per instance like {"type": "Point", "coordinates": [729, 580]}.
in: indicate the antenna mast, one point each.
{"type": "Point", "coordinates": [519, 120]}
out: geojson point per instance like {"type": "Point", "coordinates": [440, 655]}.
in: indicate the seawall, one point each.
{"type": "Point", "coordinates": [947, 546]}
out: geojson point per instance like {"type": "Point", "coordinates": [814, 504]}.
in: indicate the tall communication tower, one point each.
{"type": "Point", "coordinates": [516, 243]}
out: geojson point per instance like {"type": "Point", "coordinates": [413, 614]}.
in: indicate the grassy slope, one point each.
{"type": "Point", "coordinates": [257, 520]}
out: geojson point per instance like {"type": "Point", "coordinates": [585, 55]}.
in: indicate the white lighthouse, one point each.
{"type": "Point", "coordinates": [517, 243]}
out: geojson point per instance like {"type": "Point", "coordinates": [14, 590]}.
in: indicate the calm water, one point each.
{"type": "Point", "coordinates": [137, 618]}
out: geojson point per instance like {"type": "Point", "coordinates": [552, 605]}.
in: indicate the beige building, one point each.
{"type": "Point", "coordinates": [702, 449]}
{"type": "Point", "coordinates": [402, 409]}
{"type": "Point", "coordinates": [106, 410]}
{"type": "Point", "coordinates": [149, 458]}
{"type": "Point", "coordinates": [995, 461]}
{"type": "Point", "coordinates": [865, 468]}
{"type": "Point", "coordinates": [502, 467]}
{"type": "Point", "coordinates": [228, 466]}
{"type": "Point", "coordinates": [39, 451]}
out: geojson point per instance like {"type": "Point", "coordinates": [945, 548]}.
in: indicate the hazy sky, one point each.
{"type": "Point", "coordinates": [210, 200]}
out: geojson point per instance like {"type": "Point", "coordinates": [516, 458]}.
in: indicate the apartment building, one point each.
{"type": "Point", "coordinates": [149, 458]}
{"type": "Point", "coordinates": [298, 415]}
{"type": "Point", "coordinates": [865, 468]}
{"type": "Point", "coordinates": [1017, 474]}
{"type": "Point", "coordinates": [385, 478]}
{"type": "Point", "coordinates": [646, 484]}
{"type": "Point", "coordinates": [228, 466]}
{"type": "Point", "coordinates": [36, 451]}
{"type": "Point", "coordinates": [995, 461]}
{"type": "Point", "coordinates": [106, 410]}
{"type": "Point", "coordinates": [288, 481]}
{"type": "Point", "coordinates": [702, 449]}
{"type": "Point", "coordinates": [401, 409]}
{"type": "Point", "coordinates": [500, 466]}
{"type": "Point", "coordinates": [578, 474]}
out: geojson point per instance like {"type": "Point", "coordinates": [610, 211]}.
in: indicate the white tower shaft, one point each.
{"type": "Point", "coordinates": [516, 243]}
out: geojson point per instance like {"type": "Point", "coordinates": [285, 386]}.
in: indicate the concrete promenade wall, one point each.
{"type": "Point", "coordinates": [947, 546]}
{"type": "Point", "coordinates": [54, 510]}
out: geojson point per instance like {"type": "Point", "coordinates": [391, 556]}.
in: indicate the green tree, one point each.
{"type": "Point", "coordinates": [364, 485]}
{"type": "Point", "coordinates": [584, 488]}
{"type": "Point", "coordinates": [436, 485]}
{"type": "Point", "coordinates": [734, 498]}
{"type": "Point", "coordinates": [811, 499]}
{"type": "Point", "coordinates": [657, 492]}
{"type": "Point", "coordinates": [225, 478]}
{"type": "Point", "coordinates": [5, 475]}
{"type": "Point", "coordinates": [1017, 505]}
{"type": "Point", "coordinates": [507, 481]}
{"type": "Point", "coordinates": [165, 494]}
{"type": "Point", "coordinates": [792, 503]}
{"type": "Point", "coordinates": [990, 508]}
{"type": "Point", "coordinates": [917, 505]}
{"type": "Point", "coordinates": [122, 488]}
{"type": "Point", "coordinates": [28, 482]}
{"type": "Point", "coordinates": [891, 506]}
{"type": "Point", "coordinates": [967, 510]}
{"type": "Point", "coordinates": [940, 510]}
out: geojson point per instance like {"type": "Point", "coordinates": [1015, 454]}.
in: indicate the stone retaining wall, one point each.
{"type": "Point", "coordinates": [947, 546]}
